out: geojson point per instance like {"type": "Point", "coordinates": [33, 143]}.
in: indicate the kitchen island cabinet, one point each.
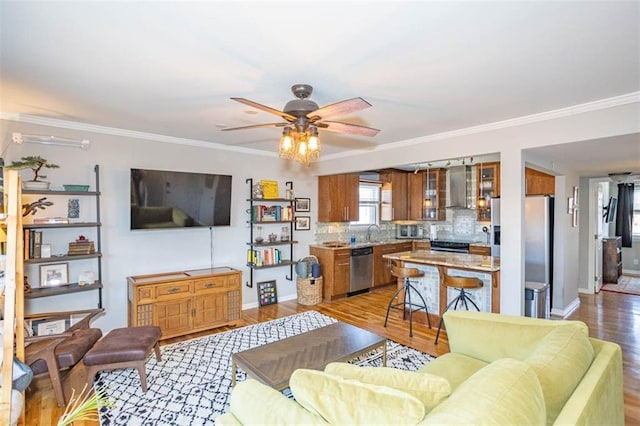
{"type": "Point", "coordinates": [436, 264]}
{"type": "Point", "coordinates": [336, 267]}
{"type": "Point", "coordinates": [381, 266]}
{"type": "Point", "coordinates": [338, 199]}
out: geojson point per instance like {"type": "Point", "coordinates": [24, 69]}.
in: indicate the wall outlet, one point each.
{"type": "Point", "coordinates": [636, 261]}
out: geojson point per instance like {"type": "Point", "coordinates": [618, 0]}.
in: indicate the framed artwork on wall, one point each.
{"type": "Point", "coordinates": [303, 204]}
{"type": "Point", "coordinates": [303, 223]}
{"type": "Point", "coordinates": [267, 293]}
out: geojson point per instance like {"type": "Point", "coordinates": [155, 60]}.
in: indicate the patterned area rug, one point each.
{"type": "Point", "coordinates": [627, 284]}
{"type": "Point", "coordinates": [191, 385]}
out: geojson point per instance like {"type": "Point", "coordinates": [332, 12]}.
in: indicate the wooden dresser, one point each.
{"type": "Point", "coordinates": [186, 301]}
{"type": "Point", "coordinates": [611, 259]}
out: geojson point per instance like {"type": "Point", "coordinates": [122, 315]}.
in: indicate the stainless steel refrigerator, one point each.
{"type": "Point", "coordinates": [538, 235]}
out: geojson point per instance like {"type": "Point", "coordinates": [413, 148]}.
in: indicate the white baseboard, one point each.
{"type": "Point", "coordinates": [255, 304]}
{"type": "Point", "coordinates": [568, 310]}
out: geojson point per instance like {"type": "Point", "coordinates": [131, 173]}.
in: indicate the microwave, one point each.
{"type": "Point", "coordinates": [409, 231]}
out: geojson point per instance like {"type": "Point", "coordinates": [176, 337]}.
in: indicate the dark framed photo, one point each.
{"type": "Point", "coordinates": [303, 204]}
{"type": "Point", "coordinates": [267, 293]}
{"type": "Point", "coordinates": [54, 274]}
{"type": "Point", "coordinates": [303, 223]}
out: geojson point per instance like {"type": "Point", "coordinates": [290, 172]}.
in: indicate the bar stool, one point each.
{"type": "Point", "coordinates": [407, 274]}
{"type": "Point", "coordinates": [459, 283]}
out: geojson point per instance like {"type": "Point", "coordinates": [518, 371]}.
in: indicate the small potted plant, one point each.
{"type": "Point", "coordinates": [35, 163]}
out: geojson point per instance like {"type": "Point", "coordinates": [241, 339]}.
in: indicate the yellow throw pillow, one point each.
{"type": "Point", "coordinates": [428, 388]}
{"type": "Point", "coordinates": [345, 401]}
{"type": "Point", "coordinates": [560, 360]}
{"type": "Point", "coordinates": [505, 392]}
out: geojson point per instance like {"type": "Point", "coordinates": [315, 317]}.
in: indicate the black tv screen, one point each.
{"type": "Point", "coordinates": [165, 199]}
{"type": "Point", "coordinates": [610, 214]}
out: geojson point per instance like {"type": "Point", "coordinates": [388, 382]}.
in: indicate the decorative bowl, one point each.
{"type": "Point", "coordinates": [78, 188]}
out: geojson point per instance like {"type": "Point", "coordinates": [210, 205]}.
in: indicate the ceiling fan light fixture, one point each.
{"type": "Point", "coordinates": [286, 148]}
{"type": "Point", "coordinates": [313, 144]}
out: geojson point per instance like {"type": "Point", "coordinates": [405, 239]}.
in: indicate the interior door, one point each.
{"type": "Point", "coordinates": [597, 273]}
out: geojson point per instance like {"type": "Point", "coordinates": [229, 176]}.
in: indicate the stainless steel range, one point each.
{"type": "Point", "coordinates": [450, 246]}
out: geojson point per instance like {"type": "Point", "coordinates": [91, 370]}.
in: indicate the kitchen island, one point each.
{"type": "Point", "coordinates": [435, 264]}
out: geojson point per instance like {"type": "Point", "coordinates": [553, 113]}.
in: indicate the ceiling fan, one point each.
{"type": "Point", "coordinates": [302, 113]}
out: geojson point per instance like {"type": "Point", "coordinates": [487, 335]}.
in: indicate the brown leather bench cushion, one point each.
{"type": "Point", "coordinates": [123, 344]}
{"type": "Point", "coordinates": [70, 350]}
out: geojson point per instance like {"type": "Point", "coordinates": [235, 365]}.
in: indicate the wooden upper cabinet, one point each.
{"type": "Point", "coordinates": [539, 183]}
{"type": "Point", "coordinates": [395, 200]}
{"type": "Point", "coordinates": [487, 187]}
{"type": "Point", "coordinates": [338, 199]}
{"type": "Point", "coordinates": [421, 188]}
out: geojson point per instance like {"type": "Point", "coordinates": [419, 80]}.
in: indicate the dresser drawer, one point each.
{"type": "Point", "coordinates": [145, 294]}
{"type": "Point", "coordinates": [172, 289]}
{"type": "Point", "coordinates": [210, 283]}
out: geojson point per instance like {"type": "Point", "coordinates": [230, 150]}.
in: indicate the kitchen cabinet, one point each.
{"type": "Point", "coordinates": [481, 250]}
{"type": "Point", "coordinates": [395, 205]}
{"type": "Point", "coordinates": [338, 199]}
{"type": "Point", "coordinates": [336, 266]}
{"type": "Point", "coordinates": [487, 187]}
{"type": "Point", "coordinates": [539, 183]}
{"type": "Point", "coordinates": [186, 301]}
{"type": "Point", "coordinates": [427, 194]}
{"type": "Point", "coordinates": [422, 245]}
{"type": "Point", "coordinates": [611, 259]}
{"type": "Point", "coordinates": [381, 268]}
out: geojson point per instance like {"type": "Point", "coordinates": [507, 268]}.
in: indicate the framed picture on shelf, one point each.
{"type": "Point", "coordinates": [54, 274]}
{"type": "Point", "coordinates": [47, 328]}
{"type": "Point", "coordinates": [303, 223]}
{"type": "Point", "coordinates": [267, 293]}
{"type": "Point", "coordinates": [303, 204]}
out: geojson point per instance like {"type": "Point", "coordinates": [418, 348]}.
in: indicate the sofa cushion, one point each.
{"type": "Point", "coordinates": [505, 392]}
{"type": "Point", "coordinates": [428, 388]}
{"type": "Point", "coordinates": [454, 367]}
{"type": "Point", "coordinates": [254, 403]}
{"type": "Point", "coordinates": [346, 401]}
{"type": "Point", "coordinates": [560, 360]}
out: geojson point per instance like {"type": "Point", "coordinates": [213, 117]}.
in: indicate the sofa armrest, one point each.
{"type": "Point", "coordinates": [599, 397]}
{"type": "Point", "coordinates": [488, 336]}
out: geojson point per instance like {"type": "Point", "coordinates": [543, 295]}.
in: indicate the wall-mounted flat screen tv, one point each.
{"type": "Point", "coordinates": [610, 213]}
{"type": "Point", "coordinates": [165, 199]}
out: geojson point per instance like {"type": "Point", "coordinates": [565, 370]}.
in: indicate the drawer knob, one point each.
{"type": "Point", "coordinates": [209, 285]}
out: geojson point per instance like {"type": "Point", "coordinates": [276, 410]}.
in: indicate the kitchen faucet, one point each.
{"type": "Point", "coordinates": [369, 230]}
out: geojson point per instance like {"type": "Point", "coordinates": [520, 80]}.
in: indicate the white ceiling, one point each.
{"type": "Point", "coordinates": [169, 68]}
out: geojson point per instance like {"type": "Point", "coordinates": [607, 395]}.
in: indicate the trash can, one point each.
{"type": "Point", "coordinates": [536, 299]}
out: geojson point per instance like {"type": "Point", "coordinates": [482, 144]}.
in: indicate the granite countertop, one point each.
{"type": "Point", "coordinates": [337, 245]}
{"type": "Point", "coordinates": [475, 262]}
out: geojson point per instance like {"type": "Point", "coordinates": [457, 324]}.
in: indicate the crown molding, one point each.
{"type": "Point", "coordinates": [598, 105]}
{"type": "Point", "coordinates": [601, 104]}
{"type": "Point", "coordinates": [114, 131]}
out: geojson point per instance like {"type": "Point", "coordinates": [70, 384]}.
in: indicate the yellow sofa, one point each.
{"type": "Point", "coordinates": [501, 370]}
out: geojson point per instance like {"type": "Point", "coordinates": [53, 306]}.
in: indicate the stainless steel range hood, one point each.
{"type": "Point", "coordinates": [458, 177]}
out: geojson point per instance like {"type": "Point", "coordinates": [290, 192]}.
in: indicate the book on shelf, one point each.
{"type": "Point", "coordinates": [264, 213]}
{"type": "Point", "coordinates": [32, 244]}
{"type": "Point", "coordinates": [50, 220]}
{"type": "Point", "coordinates": [81, 247]}
{"type": "Point", "coordinates": [265, 257]}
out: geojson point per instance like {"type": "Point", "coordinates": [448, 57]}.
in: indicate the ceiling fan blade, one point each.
{"type": "Point", "coordinates": [338, 109]}
{"type": "Point", "coordinates": [255, 126]}
{"type": "Point", "coordinates": [354, 129]}
{"type": "Point", "coordinates": [265, 108]}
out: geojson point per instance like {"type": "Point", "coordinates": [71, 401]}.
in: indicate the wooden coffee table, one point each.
{"type": "Point", "coordinates": [274, 362]}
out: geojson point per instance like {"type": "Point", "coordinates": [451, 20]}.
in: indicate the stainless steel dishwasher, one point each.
{"type": "Point", "coordinates": [361, 273]}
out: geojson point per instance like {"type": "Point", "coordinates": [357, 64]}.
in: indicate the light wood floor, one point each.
{"type": "Point", "coordinates": [610, 316]}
